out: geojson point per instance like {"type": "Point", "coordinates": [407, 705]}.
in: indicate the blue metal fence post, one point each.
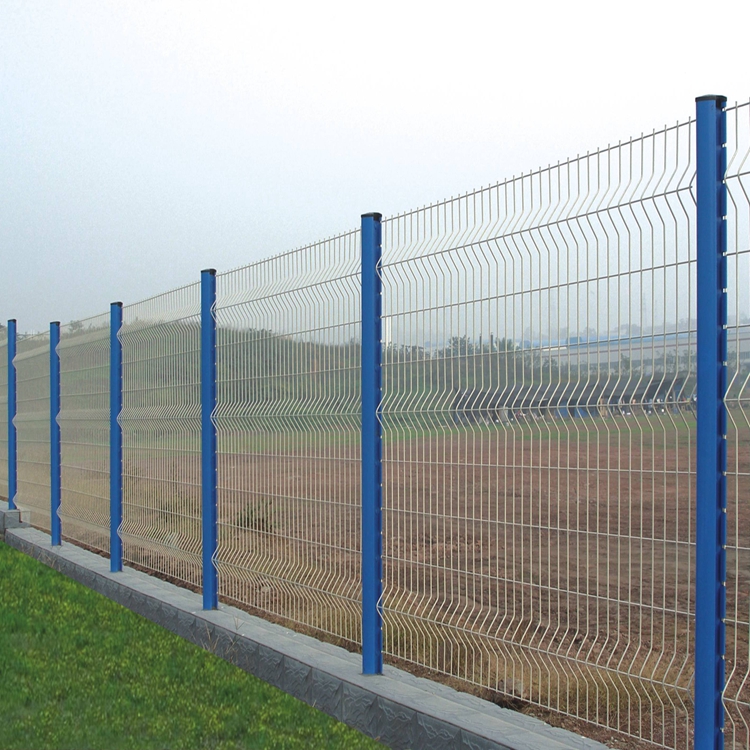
{"type": "Point", "coordinates": [710, 574]}
{"type": "Point", "coordinates": [54, 435]}
{"type": "Point", "coordinates": [115, 437]}
{"type": "Point", "coordinates": [12, 437]}
{"type": "Point", "coordinates": [208, 438]}
{"type": "Point", "coordinates": [372, 524]}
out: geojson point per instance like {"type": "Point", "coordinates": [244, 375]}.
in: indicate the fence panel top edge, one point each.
{"type": "Point", "coordinates": [329, 265]}
{"type": "Point", "coordinates": [737, 106]}
{"type": "Point", "coordinates": [97, 321]}
{"type": "Point", "coordinates": [568, 196]}
{"type": "Point", "coordinates": [154, 300]}
{"type": "Point", "coordinates": [80, 332]}
{"type": "Point", "coordinates": [542, 170]}
{"type": "Point", "coordinates": [738, 142]}
{"type": "Point", "coordinates": [285, 254]}
{"type": "Point", "coordinates": [182, 303]}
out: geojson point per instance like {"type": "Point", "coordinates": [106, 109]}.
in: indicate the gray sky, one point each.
{"type": "Point", "coordinates": [143, 141]}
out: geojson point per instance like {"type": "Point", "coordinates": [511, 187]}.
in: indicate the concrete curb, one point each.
{"type": "Point", "coordinates": [396, 708]}
{"type": "Point", "coordinates": [9, 519]}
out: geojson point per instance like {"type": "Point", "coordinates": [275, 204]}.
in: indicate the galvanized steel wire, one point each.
{"type": "Point", "coordinates": [33, 428]}
{"type": "Point", "coordinates": [160, 420]}
{"type": "Point", "coordinates": [288, 424]}
{"type": "Point", "coordinates": [539, 346]}
{"type": "Point", "coordinates": [84, 429]}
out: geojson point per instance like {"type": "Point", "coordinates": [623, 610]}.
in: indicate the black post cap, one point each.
{"type": "Point", "coordinates": [718, 98]}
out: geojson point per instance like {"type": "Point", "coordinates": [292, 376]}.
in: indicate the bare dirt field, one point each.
{"type": "Point", "coordinates": [550, 568]}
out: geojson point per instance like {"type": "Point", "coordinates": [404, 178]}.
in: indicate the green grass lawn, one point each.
{"type": "Point", "coordinates": [79, 671]}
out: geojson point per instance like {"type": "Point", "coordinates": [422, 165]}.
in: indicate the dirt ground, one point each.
{"type": "Point", "coordinates": [549, 570]}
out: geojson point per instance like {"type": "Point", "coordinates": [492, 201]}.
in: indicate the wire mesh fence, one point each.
{"type": "Point", "coordinates": [84, 427]}
{"type": "Point", "coordinates": [160, 422]}
{"type": "Point", "coordinates": [33, 428]}
{"type": "Point", "coordinates": [737, 692]}
{"type": "Point", "coordinates": [538, 412]}
{"type": "Point", "coordinates": [4, 413]}
{"type": "Point", "coordinates": [539, 419]}
{"type": "Point", "coordinates": [288, 432]}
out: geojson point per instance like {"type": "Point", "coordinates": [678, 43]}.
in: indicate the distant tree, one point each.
{"type": "Point", "coordinates": [458, 346]}
{"type": "Point", "coordinates": [505, 345]}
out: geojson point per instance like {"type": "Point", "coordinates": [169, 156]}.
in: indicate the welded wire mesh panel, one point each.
{"type": "Point", "coordinates": [4, 413]}
{"type": "Point", "coordinates": [737, 691]}
{"type": "Point", "coordinates": [84, 431]}
{"type": "Point", "coordinates": [160, 419]}
{"type": "Point", "coordinates": [33, 428]}
{"type": "Point", "coordinates": [288, 423]}
{"type": "Point", "coordinates": [539, 422]}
